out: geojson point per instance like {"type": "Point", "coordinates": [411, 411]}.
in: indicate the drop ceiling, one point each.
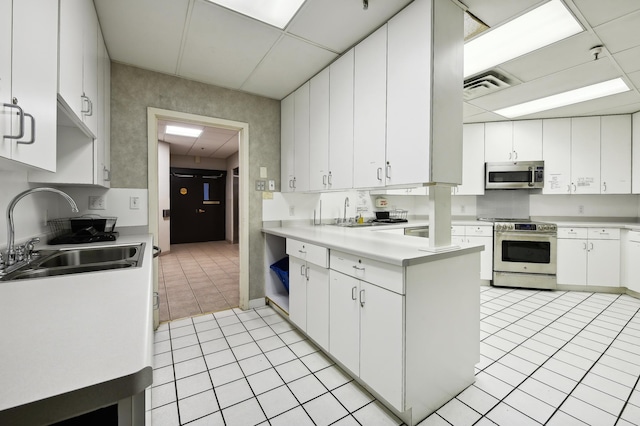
{"type": "Point", "coordinates": [201, 41]}
{"type": "Point", "coordinates": [213, 142]}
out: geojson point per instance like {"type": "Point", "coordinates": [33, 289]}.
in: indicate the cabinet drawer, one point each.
{"type": "Point", "coordinates": [480, 231]}
{"type": "Point", "coordinates": [310, 252]}
{"type": "Point", "coordinates": [457, 230]}
{"type": "Point", "coordinates": [572, 233]}
{"type": "Point", "coordinates": [604, 233]}
{"type": "Point", "coordinates": [381, 274]}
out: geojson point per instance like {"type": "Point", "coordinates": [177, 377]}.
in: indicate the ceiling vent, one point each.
{"type": "Point", "coordinates": [484, 84]}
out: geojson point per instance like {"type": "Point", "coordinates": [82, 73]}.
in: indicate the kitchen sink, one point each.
{"type": "Point", "coordinates": [354, 224]}
{"type": "Point", "coordinates": [79, 260]}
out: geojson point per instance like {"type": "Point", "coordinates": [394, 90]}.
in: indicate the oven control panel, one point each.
{"type": "Point", "coordinates": [525, 227]}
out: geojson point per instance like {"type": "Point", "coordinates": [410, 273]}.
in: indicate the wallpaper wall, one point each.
{"type": "Point", "coordinates": [134, 89]}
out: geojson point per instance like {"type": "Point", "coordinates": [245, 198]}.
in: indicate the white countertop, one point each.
{"type": "Point", "coordinates": [75, 340]}
{"type": "Point", "coordinates": [367, 242]}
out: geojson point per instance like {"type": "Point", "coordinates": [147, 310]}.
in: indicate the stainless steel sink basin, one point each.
{"type": "Point", "coordinates": [79, 260]}
{"type": "Point", "coordinates": [354, 224]}
{"type": "Point", "coordinates": [84, 256]}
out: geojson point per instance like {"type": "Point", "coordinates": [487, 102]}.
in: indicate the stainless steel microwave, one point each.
{"type": "Point", "coordinates": [514, 175]}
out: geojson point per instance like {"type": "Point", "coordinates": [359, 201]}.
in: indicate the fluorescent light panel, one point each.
{"type": "Point", "coordinates": [587, 93]}
{"type": "Point", "coordinates": [183, 131]}
{"type": "Point", "coordinates": [537, 28]}
{"type": "Point", "coordinates": [274, 12]}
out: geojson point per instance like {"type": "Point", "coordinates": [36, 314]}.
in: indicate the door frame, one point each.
{"type": "Point", "coordinates": [153, 116]}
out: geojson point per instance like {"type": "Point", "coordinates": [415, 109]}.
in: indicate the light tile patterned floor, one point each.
{"type": "Point", "coordinates": [547, 357]}
{"type": "Point", "coordinates": [198, 278]}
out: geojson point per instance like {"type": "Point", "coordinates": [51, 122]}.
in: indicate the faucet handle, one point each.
{"type": "Point", "coordinates": [29, 246]}
{"type": "Point", "coordinates": [20, 253]}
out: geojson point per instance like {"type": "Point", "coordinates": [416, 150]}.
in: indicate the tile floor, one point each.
{"type": "Point", "coordinates": [198, 278]}
{"type": "Point", "coordinates": [547, 357]}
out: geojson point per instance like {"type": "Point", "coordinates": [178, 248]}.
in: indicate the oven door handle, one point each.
{"type": "Point", "coordinates": [533, 176]}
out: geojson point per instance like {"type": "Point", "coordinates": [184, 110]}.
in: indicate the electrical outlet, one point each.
{"type": "Point", "coordinates": [134, 203]}
{"type": "Point", "coordinates": [581, 209]}
{"type": "Point", "coordinates": [97, 202]}
{"type": "Point", "coordinates": [272, 185]}
{"type": "Point", "coordinates": [260, 185]}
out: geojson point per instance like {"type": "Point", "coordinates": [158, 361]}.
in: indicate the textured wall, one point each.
{"type": "Point", "coordinates": [134, 89]}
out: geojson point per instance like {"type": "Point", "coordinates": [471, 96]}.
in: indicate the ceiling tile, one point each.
{"type": "Point", "coordinates": [223, 47]}
{"type": "Point", "coordinates": [144, 33]}
{"type": "Point", "coordinates": [559, 56]}
{"type": "Point", "coordinates": [614, 104]}
{"type": "Point", "coordinates": [339, 24]}
{"type": "Point", "coordinates": [589, 73]}
{"type": "Point", "coordinates": [635, 78]}
{"type": "Point", "coordinates": [484, 117]}
{"type": "Point", "coordinates": [622, 33]}
{"type": "Point", "coordinates": [289, 64]}
{"type": "Point", "coordinates": [598, 12]}
{"type": "Point", "coordinates": [629, 60]}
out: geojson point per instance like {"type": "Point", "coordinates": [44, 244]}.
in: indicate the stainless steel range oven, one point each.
{"type": "Point", "coordinates": [524, 254]}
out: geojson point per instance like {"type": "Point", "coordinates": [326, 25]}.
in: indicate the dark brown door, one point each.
{"type": "Point", "coordinates": [197, 205]}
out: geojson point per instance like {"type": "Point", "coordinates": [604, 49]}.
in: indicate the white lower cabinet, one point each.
{"type": "Point", "coordinates": [589, 256]}
{"type": "Point", "coordinates": [364, 333]}
{"type": "Point", "coordinates": [632, 266]}
{"type": "Point", "coordinates": [309, 290]}
{"type": "Point", "coordinates": [477, 234]}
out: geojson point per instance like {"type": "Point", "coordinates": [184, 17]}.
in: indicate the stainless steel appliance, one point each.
{"type": "Point", "coordinates": [514, 175]}
{"type": "Point", "coordinates": [524, 254]}
{"type": "Point", "coordinates": [417, 231]}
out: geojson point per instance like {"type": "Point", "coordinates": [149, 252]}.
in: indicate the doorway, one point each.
{"type": "Point", "coordinates": [197, 205]}
{"type": "Point", "coordinates": [153, 116]}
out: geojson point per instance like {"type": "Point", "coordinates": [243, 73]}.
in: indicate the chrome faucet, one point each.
{"type": "Point", "coordinates": [11, 252]}
{"type": "Point", "coordinates": [346, 204]}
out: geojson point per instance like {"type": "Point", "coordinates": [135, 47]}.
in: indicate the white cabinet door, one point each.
{"type": "Point", "coordinates": [104, 117]}
{"type": "Point", "coordinates": [34, 79]}
{"type": "Point", "coordinates": [572, 261]}
{"type": "Point", "coordinates": [498, 142]}
{"type": "Point", "coordinates": [381, 342]}
{"type": "Point", "coordinates": [298, 292]}
{"type": "Point", "coordinates": [341, 122]}
{"type": "Point", "coordinates": [632, 264]}
{"type": "Point", "coordinates": [603, 263]}
{"type": "Point", "coordinates": [319, 131]}
{"type": "Point", "coordinates": [556, 153]}
{"type": "Point", "coordinates": [635, 170]}
{"type": "Point", "coordinates": [615, 154]}
{"type": "Point", "coordinates": [409, 78]}
{"type": "Point", "coordinates": [6, 15]}
{"type": "Point", "coordinates": [472, 160]}
{"type": "Point", "coordinates": [486, 256]}
{"type": "Point", "coordinates": [318, 305]}
{"type": "Point", "coordinates": [90, 66]}
{"type": "Point", "coordinates": [287, 172]}
{"type": "Point", "coordinates": [370, 109]}
{"type": "Point", "coordinates": [71, 54]}
{"type": "Point", "coordinates": [301, 138]}
{"type": "Point", "coordinates": [344, 320]}
{"type": "Point", "coordinates": [585, 155]}
{"type": "Point", "coordinates": [527, 140]}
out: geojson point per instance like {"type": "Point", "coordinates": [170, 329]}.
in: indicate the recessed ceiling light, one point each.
{"type": "Point", "coordinates": [274, 12]}
{"type": "Point", "coordinates": [594, 91]}
{"type": "Point", "coordinates": [183, 131]}
{"type": "Point", "coordinates": [537, 28]}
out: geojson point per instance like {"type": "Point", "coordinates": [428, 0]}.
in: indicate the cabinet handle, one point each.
{"type": "Point", "coordinates": [357, 268]}
{"type": "Point", "coordinates": [330, 178]}
{"type": "Point", "coordinates": [569, 189]}
{"type": "Point", "coordinates": [306, 273]}
{"type": "Point", "coordinates": [324, 179]}
{"type": "Point", "coordinates": [591, 246]}
{"type": "Point", "coordinates": [302, 270]}
{"type": "Point", "coordinates": [388, 171]}
{"type": "Point", "coordinates": [515, 155]}
{"type": "Point", "coordinates": [362, 298]}
{"type": "Point", "coordinates": [302, 251]}
{"type": "Point", "coordinates": [294, 183]}
{"type": "Point", "coordinates": [33, 130]}
{"type": "Point", "coordinates": [604, 184]}
{"type": "Point", "coordinates": [90, 108]}
{"type": "Point", "coordinates": [584, 246]}
{"type": "Point", "coordinates": [353, 292]}
{"type": "Point", "coordinates": [156, 300]}
{"type": "Point", "coordinates": [107, 174]}
{"type": "Point", "coordinates": [574, 188]}
{"type": "Point", "coordinates": [510, 155]}
{"type": "Point", "coordinates": [20, 113]}
{"type": "Point", "coordinates": [85, 101]}
{"type": "Point", "coordinates": [379, 173]}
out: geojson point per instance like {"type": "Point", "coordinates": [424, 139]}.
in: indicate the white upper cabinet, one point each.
{"type": "Point", "coordinates": [319, 131]}
{"type": "Point", "coordinates": [370, 109]}
{"type": "Point", "coordinates": [341, 122]}
{"type": "Point", "coordinates": [556, 148]}
{"type": "Point", "coordinates": [28, 79]}
{"type": "Point", "coordinates": [498, 141]}
{"type": "Point", "coordinates": [615, 161]}
{"type": "Point", "coordinates": [424, 75]}
{"type": "Point", "coordinates": [301, 137]}
{"type": "Point", "coordinates": [287, 172]}
{"type": "Point", "coordinates": [513, 141]}
{"type": "Point", "coordinates": [78, 80]}
{"type": "Point", "coordinates": [472, 160]}
{"type": "Point", "coordinates": [585, 155]}
{"type": "Point", "coordinates": [636, 152]}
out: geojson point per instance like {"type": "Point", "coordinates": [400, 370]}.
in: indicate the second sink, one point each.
{"type": "Point", "coordinates": [83, 256]}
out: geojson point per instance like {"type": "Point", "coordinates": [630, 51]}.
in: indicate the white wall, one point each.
{"type": "Point", "coordinates": [117, 201]}
{"type": "Point", "coordinates": [232, 162]}
{"type": "Point", "coordinates": [198, 162]}
{"type": "Point", "coordinates": [615, 206]}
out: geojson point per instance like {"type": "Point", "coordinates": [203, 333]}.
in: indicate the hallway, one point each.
{"type": "Point", "coordinates": [198, 278]}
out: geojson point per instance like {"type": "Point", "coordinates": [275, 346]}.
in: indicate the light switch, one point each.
{"type": "Point", "coordinates": [263, 172]}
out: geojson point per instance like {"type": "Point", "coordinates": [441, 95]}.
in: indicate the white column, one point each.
{"type": "Point", "coordinates": [439, 216]}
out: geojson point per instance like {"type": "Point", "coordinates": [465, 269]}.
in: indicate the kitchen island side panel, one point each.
{"type": "Point", "coordinates": [442, 331]}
